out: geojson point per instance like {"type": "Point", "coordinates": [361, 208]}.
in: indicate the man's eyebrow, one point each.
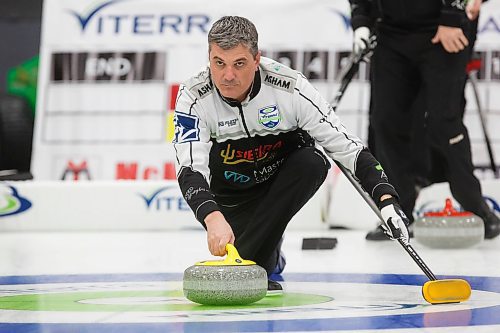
{"type": "Point", "coordinates": [236, 60]}
{"type": "Point", "coordinates": [241, 59]}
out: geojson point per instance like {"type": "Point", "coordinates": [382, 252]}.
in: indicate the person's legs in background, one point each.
{"type": "Point", "coordinates": [444, 77]}
{"type": "Point", "coordinates": [395, 84]}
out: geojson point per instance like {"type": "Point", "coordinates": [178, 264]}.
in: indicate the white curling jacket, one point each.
{"type": "Point", "coordinates": [225, 149]}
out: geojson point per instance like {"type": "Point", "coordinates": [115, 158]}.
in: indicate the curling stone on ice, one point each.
{"type": "Point", "coordinates": [449, 228]}
{"type": "Point", "coordinates": [232, 281]}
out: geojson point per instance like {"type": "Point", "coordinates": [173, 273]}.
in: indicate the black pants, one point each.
{"type": "Point", "coordinates": [259, 223]}
{"type": "Point", "coordinates": [404, 65]}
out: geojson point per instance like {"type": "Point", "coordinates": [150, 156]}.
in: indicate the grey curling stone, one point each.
{"type": "Point", "coordinates": [449, 229]}
{"type": "Point", "coordinates": [232, 281]}
{"type": "Point", "coordinates": [225, 285]}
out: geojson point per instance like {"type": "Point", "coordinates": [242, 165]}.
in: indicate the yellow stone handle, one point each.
{"type": "Point", "coordinates": [232, 259]}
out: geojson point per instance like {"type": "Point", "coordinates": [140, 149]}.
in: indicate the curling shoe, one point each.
{"type": "Point", "coordinates": [491, 225]}
{"type": "Point", "coordinates": [274, 288]}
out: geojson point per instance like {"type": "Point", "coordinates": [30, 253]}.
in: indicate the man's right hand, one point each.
{"type": "Point", "coordinates": [219, 233]}
{"type": "Point", "coordinates": [396, 222]}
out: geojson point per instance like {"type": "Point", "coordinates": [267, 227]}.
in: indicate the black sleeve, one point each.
{"type": "Point", "coordinates": [361, 13]}
{"type": "Point", "coordinates": [197, 193]}
{"type": "Point", "coordinates": [372, 177]}
{"type": "Point", "coordinates": [453, 13]}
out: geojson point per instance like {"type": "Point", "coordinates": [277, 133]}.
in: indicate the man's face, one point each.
{"type": "Point", "coordinates": [233, 70]}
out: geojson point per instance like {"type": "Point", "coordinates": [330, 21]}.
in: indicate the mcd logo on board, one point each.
{"type": "Point", "coordinates": [117, 67]}
{"type": "Point", "coordinates": [76, 170]}
{"type": "Point", "coordinates": [136, 170]}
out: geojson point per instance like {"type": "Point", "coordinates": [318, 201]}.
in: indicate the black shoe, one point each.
{"type": "Point", "coordinates": [378, 234]}
{"type": "Point", "coordinates": [491, 226]}
{"type": "Point", "coordinates": [274, 288]}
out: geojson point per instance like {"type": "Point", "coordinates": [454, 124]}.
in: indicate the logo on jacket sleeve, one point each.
{"type": "Point", "coordinates": [186, 128]}
{"type": "Point", "coordinates": [269, 116]}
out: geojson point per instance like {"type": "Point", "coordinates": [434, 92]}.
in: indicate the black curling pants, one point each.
{"type": "Point", "coordinates": [260, 222]}
{"type": "Point", "coordinates": [402, 66]}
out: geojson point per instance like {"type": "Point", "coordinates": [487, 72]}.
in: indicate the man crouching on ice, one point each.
{"type": "Point", "coordinates": [245, 134]}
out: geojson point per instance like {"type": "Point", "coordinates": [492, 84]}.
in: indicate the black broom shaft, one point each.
{"type": "Point", "coordinates": [418, 260]}
{"type": "Point", "coordinates": [352, 69]}
{"type": "Point", "coordinates": [346, 79]}
{"type": "Point", "coordinates": [411, 251]}
{"type": "Point", "coordinates": [472, 80]}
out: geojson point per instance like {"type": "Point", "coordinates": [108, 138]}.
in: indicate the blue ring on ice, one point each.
{"type": "Point", "coordinates": [480, 316]}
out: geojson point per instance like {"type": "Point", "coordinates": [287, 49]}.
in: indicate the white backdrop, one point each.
{"type": "Point", "coordinates": [109, 70]}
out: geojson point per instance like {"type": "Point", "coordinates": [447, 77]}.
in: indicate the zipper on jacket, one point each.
{"type": "Point", "coordinates": [255, 147]}
{"type": "Point", "coordinates": [240, 108]}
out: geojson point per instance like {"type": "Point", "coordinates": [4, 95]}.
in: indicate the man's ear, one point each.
{"type": "Point", "coordinates": [257, 60]}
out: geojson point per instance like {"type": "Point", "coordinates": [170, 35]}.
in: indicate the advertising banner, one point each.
{"type": "Point", "coordinates": [110, 70]}
{"type": "Point", "coordinates": [110, 206]}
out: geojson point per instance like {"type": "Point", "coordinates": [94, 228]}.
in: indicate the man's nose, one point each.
{"type": "Point", "coordinates": [229, 73]}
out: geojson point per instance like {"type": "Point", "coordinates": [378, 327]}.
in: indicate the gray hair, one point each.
{"type": "Point", "coordinates": [230, 31]}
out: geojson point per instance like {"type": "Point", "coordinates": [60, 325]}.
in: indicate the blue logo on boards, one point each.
{"type": "Point", "coordinates": [161, 200]}
{"type": "Point", "coordinates": [85, 19]}
{"type": "Point", "coordinates": [186, 128]}
{"type": "Point", "coordinates": [11, 202]}
{"type": "Point", "coordinates": [119, 22]}
{"type": "Point", "coordinates": [236, 177]}
{"type": "Point", "coordinates": [492, 203]}
{"type": "Point", "coordinates": [269, 116]}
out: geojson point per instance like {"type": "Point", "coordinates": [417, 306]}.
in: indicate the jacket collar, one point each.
{"type": "Point", "coordinates": [254, 90]}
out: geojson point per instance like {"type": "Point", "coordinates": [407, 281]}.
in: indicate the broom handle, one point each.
{"type": "Point", "coordinates": [409, 249]}
{"type": "Point", "coordinates": [473, 82]}
{"type": "Point", "coordinates": [348, 72]}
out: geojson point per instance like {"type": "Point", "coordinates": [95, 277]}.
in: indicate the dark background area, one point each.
{"type": "Point", "coordinates": [20, 28]}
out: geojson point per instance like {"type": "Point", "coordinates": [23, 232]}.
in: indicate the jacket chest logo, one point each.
{"type": "Point", "coordinates": [236, 177]}
{"type": "Point", "coordinates": [269, 116]}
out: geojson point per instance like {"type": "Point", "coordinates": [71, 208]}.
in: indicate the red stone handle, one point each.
{"type": "Point", "coordinates": [447, 211]}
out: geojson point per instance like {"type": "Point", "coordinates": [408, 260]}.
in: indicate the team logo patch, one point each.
{"type": "Point", "coordinates": [186, 128]}
{"type": "Point", "coordinates": [269, 116]}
